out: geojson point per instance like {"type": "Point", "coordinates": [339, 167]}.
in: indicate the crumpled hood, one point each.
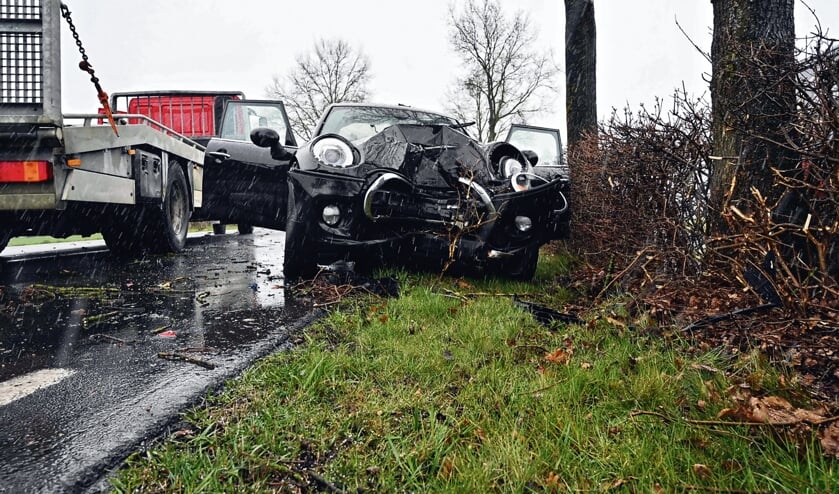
{"type": "Point", "coordinates": [428, 155]}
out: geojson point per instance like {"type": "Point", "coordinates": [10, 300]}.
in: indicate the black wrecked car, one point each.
{"type": "Point", "coordinates": [393, 184]}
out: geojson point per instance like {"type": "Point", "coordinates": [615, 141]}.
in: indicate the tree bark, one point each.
{"type": "Point", "coordinates": [580, 69]}
{"type": "Point", "coordinates": [753, 101]}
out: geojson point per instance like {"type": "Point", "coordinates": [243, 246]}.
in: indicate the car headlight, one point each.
{"type": "Point", "coordinates": [332, 151]}
{"type": "Point", "coordinates": [331, 214]}
{"type": "Point", "coordinates": [523, 223]}
{"type": "Point", "coordinates": [510, 166]}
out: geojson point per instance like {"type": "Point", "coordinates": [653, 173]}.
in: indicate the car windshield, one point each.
{"type": "Point", "coordinates": [357, 123]}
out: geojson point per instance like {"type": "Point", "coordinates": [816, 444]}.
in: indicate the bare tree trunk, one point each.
{"type": "Point", "coordinates": [753, 100]}
{"type": "Point", "coordinates": [580, 69]}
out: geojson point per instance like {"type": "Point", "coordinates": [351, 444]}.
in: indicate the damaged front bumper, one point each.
{"type": "Point", "coordinates": [388, 218]}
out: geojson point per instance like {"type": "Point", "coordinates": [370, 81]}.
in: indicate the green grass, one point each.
{"type": "Point", "coordinates": [443, 391]}
{"type": "Point", "coordinates": [45, 239]}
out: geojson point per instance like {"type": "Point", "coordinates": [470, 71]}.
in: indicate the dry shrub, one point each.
{"type": "Point", "coordinates": [788, 249]}
{"type": "Point", "coordinates": [640, 192]}
{"type": "Point", "coordinates": [641, 200]}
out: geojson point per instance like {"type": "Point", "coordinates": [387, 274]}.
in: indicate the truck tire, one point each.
{"type": "Point", "coordinates": [245, 229]}
{"type": "Point", "coordinates": [169, 225]}
{"type": "Point", "coordinates": [4, 240]}
{"type": "Point", "coordinates": [121, 241]}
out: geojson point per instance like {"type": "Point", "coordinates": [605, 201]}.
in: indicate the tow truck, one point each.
{"type": "Point", "coordinates": [60, 175]}
{"type": "Point", "coordinates": [133, 171]}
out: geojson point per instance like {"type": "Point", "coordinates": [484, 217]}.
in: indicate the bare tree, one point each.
{"type": "Point", "coordinates": [580, 69]}
{"type": "Point", "coordinates": [332, 72]}
{"type": "Point", "coordinates": [753, 99]}
{"type": "Point", "coordinates": [505, 77]}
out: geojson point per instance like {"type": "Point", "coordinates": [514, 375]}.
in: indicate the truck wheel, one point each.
{"type": "Point", "coordinates": [125, 234]}
{"type": "Point", "coordinates": [245, 229]}
{"type": "Point", "coordinates": [298, 261]}
{"type": "Point", "coordinates": [121, 241]}
{"type": "Point", "coordinates": [4, 240]}
{"type": "Point", "coordinates": [169, 225]}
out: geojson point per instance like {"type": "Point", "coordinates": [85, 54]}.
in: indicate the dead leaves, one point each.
{"type": "Point", "coordinates": [795, 424]}
{"type": "Point", "coordinates": [561, 355]}
{"type": "Point", "coordinates": [830, 440]}
{"type": "Point", "coordinates": [772, 410]}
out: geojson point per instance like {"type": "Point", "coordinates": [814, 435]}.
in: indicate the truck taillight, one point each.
{"type": "Point", "coordinates": [25, 171]}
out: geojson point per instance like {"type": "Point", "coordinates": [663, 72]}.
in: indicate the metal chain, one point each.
{"type": "Point", "coordinates": [65, 12]}
{"type": "Point", "coordinates": [87, 67]}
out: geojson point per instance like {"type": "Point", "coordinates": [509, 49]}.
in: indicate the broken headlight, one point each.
{"type": "Point", "coordinates": [510, 166]}
{"type": "Point", "coordinates": [333, 151]}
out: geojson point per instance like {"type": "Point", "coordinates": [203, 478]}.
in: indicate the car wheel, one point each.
{"type": "Point", "coordinates": [298, 261]}
{"type": "Point", "coordinates": [168, 230]}
{"type": "Point", "coordinates": [219, 228]}
{"type": "Point", "coordinates": [245, 229]}
{"type": "Point", "coordinates": [521, 266]}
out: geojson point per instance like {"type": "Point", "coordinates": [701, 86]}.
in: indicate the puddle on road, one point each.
{"type": "Point", "coordinates": [220, 294]}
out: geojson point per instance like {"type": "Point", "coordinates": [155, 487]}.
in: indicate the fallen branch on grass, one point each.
{"type": "Point", "coordinates": [729, 315]}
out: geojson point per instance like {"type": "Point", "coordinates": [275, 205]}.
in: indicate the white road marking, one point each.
{"type": "Point", "coordinates": [22, 386]}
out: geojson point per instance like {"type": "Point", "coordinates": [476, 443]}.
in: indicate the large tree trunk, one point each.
{"type": "Point", "coordinates": [580, 69]}
{"type": "Point", "coordinates": [753, 100]}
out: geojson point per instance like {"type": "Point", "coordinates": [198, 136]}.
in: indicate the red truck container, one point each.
{"type": "Point", "coordinates": [194, 114]}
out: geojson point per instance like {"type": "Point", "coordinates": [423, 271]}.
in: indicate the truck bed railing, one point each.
{"type": "Point", "coordinates": [122, 119]}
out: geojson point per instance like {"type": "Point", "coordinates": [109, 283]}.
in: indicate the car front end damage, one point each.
{"type": "Point", "coordinates": [421, 195]}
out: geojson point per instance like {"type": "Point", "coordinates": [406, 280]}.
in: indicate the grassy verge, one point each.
{"type": "Point", "coordinates": [17, 241]}
{"type": "Point", "coordinates": [451, 389]}
{"type": "Point", "coordinates": [199, 226]}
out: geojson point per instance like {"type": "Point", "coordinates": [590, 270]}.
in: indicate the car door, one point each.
{"type": "Point", "coordinates": [544, 141]}
{"type": "Point", "coordinates": [551, 165]}
{"type": "Point", "coordinates": [242, 182]}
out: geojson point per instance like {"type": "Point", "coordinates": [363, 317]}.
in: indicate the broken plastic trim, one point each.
{"type": "Point", "coordinates": [378, 184]}
{"type": "Point", "coordinates": [483, 194]}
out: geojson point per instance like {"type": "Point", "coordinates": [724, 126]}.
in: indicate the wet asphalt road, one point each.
{"type": "Point", "coordinates": [90, 328]}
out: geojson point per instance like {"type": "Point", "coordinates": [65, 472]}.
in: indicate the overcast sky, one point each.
{"type": "Point", "coordinates": [240, 44]}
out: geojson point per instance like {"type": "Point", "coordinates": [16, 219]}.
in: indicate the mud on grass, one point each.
{"type": "Point", "coordinates": [453, 388]}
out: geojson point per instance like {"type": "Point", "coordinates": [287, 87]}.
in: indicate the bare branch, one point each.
{"type": "Point", "coordinates": [331, 72]}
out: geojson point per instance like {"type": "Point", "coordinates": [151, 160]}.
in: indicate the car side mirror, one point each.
{"type": "Point", "coordinates": [265, 137]}
{"type": "Point", "coordinates": [531, 156]}
{"type": "Point", "coordinates": [270, 138]}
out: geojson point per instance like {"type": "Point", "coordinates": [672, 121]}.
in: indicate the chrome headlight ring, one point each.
{"type": "Point", "coordinates": [332, 150]}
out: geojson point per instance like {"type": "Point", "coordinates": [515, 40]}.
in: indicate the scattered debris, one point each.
{"type": "Point", "coordinates": [729, 315]}
{"type": "Point", "coordinates": [339, 280]}
{"type": "Point", "coordinates": [546, 315]}
{"type": "Point", "coordinates": [161, 329]}
{"type": "Point", "coordinates": [167, 334]}
{"type": "Point", "coordinates": [105, 337]}
{"type": "Point", "coordinates": [186, 358]}
{"type": "Point", "coordinates": [97, 319]}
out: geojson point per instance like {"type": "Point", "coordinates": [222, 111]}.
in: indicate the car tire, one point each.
{"type": "Point", "coordinates": [245, 229]}
{"type": "Point", "coordinates": [299, 260]}
{"type": "Point", "coordinates": [522, 266]}
{"type": "Point", "coordinates": [219, 228]}
{"type": "Point", "coordinates": [169, 225]}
